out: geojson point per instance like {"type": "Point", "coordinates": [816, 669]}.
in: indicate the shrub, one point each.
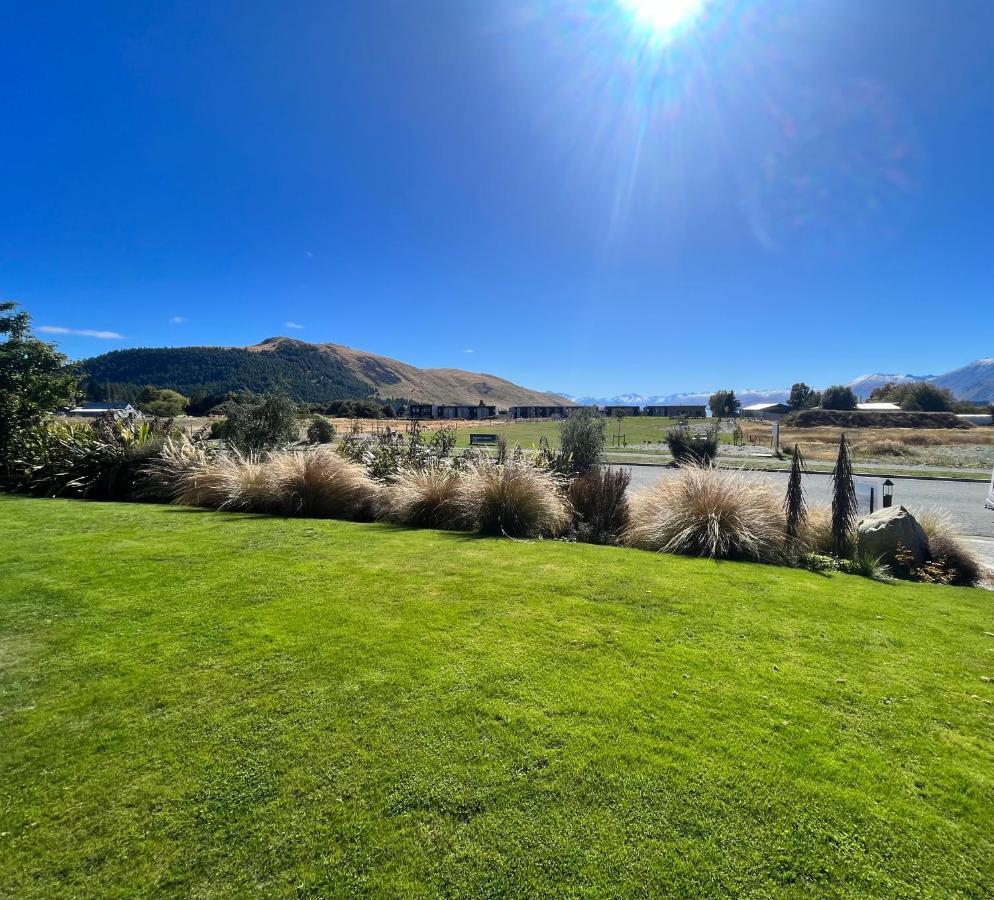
{"type": "Point", "coordinates": [817, 418]}
{"type": "Point", "coordinates": [516, 500]}
{"type": "Point", "coordinates": [883, 447]}
{"type": "Point", "coordinates": [263, 425]}
{"type": "Point", "coordinates": [951, 561]}
{"type": "Point", "coordinates": [320, 484]}
{"type": "Point", "coordinates": [581, 438]}
{"type": "Point", "coordinates": [867, 565]}
{"type": "Point", "coordinates": [320, 431]}
{"type": "Point", "coordinates": [709, 512]}
{"type": "Point", "coordinates": [693, 448]}
{"type": "Point", "coordinates": [427, 498]}
{"type": "Point", "coordinates": [600, 507]}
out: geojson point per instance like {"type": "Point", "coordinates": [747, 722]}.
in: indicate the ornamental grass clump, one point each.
{"type": "Point", "coordinates": [515, 500]}
{"type": "Point", "coordinates": [425, 498]}
{"type": "Point", "coordinates": [709, 512]}
{"type": "Point", "coordinates": [599, 505]}
{"type": "Point", "coordinates": [320, 484]}
{"type": "Point", "coordinates": [159, 479]}
{"type": "Point", "coordinates": [951, 561]}
{"type": "Point", "coordinates": [199, 479]}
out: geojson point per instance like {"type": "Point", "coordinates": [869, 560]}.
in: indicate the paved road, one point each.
{"type": "Point", "coordinates": [962, 500]}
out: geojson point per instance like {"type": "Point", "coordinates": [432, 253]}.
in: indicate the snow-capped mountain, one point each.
{"type": "Point", "coordinates": [972, 382]}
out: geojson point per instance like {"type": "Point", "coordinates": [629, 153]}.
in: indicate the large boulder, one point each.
{"type": "Point", "coordinates": [889, 530]}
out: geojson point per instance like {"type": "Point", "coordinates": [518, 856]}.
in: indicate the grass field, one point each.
{"type": "Point", "coordinates": [194, 703]}
{"type": "Point", "coordinates": [636, 429]}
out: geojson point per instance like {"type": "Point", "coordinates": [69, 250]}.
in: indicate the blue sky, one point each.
{"type": "Point", "coordinates": [554, 192]}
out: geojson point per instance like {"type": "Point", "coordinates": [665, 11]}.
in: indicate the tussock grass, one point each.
{"type": "Point", "coordinates": [321, 484]}
{"type": "Point", "coordinates": [709, 512]}
{"type": "Point", "coordinates": [599, 505]}
{"type": "Point", "coordinates": [515, 499]}
{"type": "Point", "coordinates": [159, 479]}
{"type": "Point", "coordinates": [425, 499]}
{"type": "Point", "coordinates": [816, 535]}
{"type": "Point", "coordinates": [951, 561]}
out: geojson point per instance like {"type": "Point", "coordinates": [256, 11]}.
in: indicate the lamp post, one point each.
{"type": "Point", "coordinates": [888, 493]}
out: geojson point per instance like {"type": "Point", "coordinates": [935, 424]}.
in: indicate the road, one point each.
{"type": "Point", "coordinates": [962, 500]}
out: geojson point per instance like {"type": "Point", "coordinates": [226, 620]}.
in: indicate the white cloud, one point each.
{"type": "Point", "coordinates": [468, 350]}
{"type": "Point", "coordinates": [178, 320]}
{"type": "Point", "coordinates": [81, 332]}
{"type": "Point", "coordinates": [293, 325]}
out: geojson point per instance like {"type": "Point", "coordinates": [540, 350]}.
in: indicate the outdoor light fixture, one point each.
{"type": "Point", "coordinates": [888, 492]}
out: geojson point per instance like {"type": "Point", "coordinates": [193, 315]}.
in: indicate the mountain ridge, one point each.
{"type": "Point", "coordinates": [310, 372]}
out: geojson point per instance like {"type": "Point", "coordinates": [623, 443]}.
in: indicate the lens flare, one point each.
{"type": "Point", "coordinates": [662, 19]}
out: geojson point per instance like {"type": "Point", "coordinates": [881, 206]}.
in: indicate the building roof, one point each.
{"type": "Point", "coordinates": [878, 407]}
{"type": "Point", "coordinates": [765, 407]}
{"type": "Point", "coordinates": [92, 405]}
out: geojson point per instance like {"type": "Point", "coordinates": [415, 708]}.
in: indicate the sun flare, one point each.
{"type": "Point", "coordinates": [662, 18]}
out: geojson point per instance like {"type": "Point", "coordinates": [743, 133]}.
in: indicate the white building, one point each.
{"type": "Point", "coordinates": [765, 411]}
{"type": "Point", "coordinates": [878, 407]}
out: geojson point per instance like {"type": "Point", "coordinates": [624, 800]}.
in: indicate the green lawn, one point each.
{"type": "Point", "coordinates": [194, 703]}
{"type": "Point", "coordinates": [636, 429]}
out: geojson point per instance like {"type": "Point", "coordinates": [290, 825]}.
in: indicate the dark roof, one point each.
{"type": "Point", "coordinates": [93, 405]}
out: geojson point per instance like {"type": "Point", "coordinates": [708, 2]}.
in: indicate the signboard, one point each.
{"type": "Point", "coordinates": [476, 439]}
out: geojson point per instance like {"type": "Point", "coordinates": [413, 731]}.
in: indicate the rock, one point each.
{"type": "Point", "coordinates": [887, 530]}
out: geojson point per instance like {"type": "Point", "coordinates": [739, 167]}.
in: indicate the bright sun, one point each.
{"type": "Point", "coordinates": [663, 17]}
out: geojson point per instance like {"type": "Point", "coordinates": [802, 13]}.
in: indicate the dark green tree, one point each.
{"type": "Point", "coordinates": [793, 502]}
{"type": "Point", "coordinates": [35, 380]}
{"type": "Point", "coordinates": [844, 508]}
{"type": "Point", "coordinates": [838, 396]}
{"type": "Point", "coordinates": [803, 397]}
{"type": "Point", "coordinates": [724, 404]}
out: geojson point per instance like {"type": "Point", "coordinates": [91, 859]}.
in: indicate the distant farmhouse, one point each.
{"type": "Point", "coordinates": [765, 411]}
{"type": "Point", "coordinates": [451, 411]}
{"type": "Point", "coordinates": [676, 412]}
{"type": "Point", "coordinates": [622, 411]}
{"type": "Point", "coordinates": [94, 410]}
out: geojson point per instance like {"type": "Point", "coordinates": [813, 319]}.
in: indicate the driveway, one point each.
{"type": "Point", "coordinates": [962, 500]}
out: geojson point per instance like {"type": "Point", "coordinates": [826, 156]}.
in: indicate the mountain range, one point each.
{"type": "Point", "coordinates": [971, 382]}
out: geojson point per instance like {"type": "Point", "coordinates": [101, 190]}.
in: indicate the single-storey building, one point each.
{"type": "Point", "coordinates": [465, 411]}
{"type": "Point", "coordinates": [676, 411]}
{"type": "Point", "coordinates": [878, 407]}
{"type": "Point", "coordinates": [92, 410]}
{"type": "Point", "coordinates": [765, 411]}
{"type": "Point", "coordinates": [539, 412]}
{"type": "Point", "coordinates": [480, 410]}
{"type": "Point", "coordinates": [622, 411]}
{"type": "Point", "coordinates": [976, 418]}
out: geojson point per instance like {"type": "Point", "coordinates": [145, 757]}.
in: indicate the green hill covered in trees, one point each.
{"type": "Point", "coordinates": [307, 374]}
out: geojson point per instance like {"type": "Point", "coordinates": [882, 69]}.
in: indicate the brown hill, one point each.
{"type": "Point", "coordinates": [390, 378]}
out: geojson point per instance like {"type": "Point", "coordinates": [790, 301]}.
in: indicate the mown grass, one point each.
{"type": "Point", "coordinates": [220, 704]}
